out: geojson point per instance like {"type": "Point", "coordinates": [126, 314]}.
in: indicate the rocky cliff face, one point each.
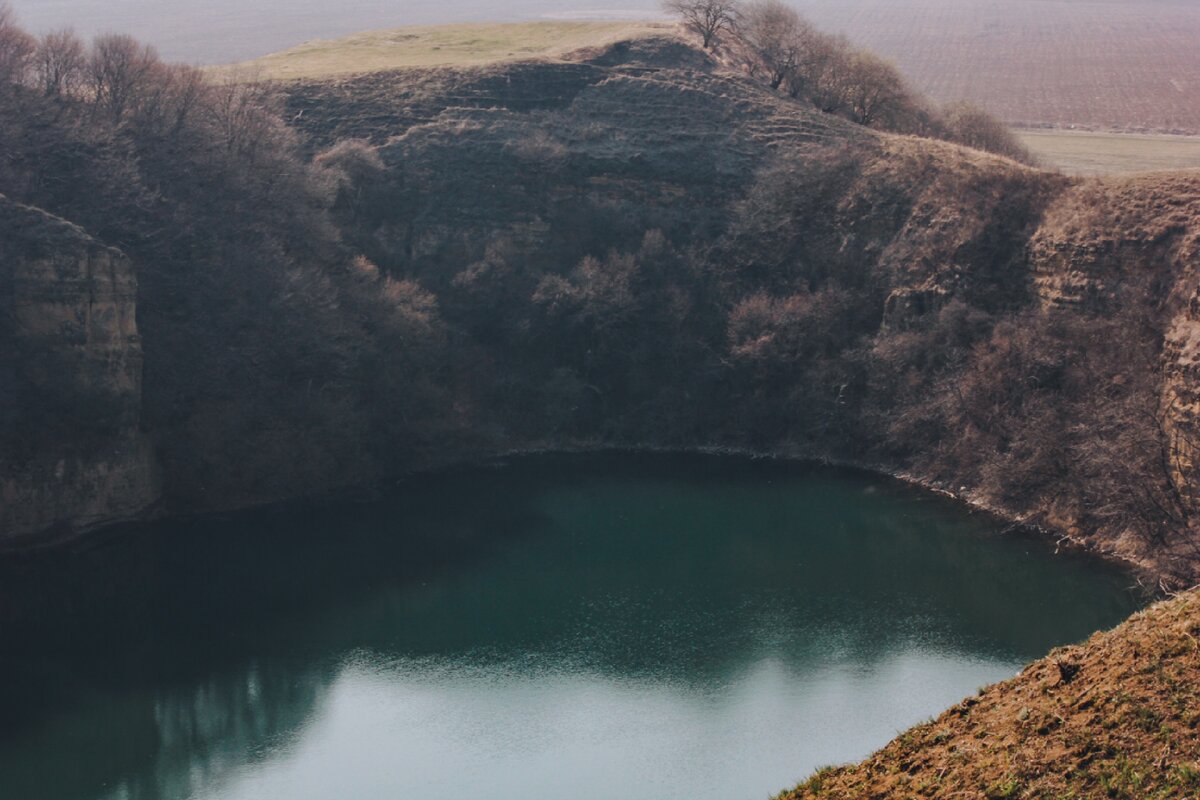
{"type": "Point", "coordinates": [508, 174]}
{"type": "Point", "coordinates": [1107, 242]}
{"type": "Point", "coordinates": [72, 379]}
{"type": "Point", "coordinates": [630, 246]}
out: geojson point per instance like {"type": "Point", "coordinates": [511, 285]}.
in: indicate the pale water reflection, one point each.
{"type": "Point", "coordinates": [441, 729]}
{"type": "Point", "coordinates": [611, 627]}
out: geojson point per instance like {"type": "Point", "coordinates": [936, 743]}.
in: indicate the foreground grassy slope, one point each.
{"type": "Point", "coordinates": [443, 45]}
{"type": "Point", "coordinates": [1116, 717]}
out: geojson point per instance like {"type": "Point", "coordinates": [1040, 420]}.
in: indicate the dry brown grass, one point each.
{"type": "Point", "coordinates": [443, 45]}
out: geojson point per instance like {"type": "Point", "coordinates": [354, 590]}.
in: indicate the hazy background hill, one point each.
{"type": "Point", "coordinates": [1128, 65]}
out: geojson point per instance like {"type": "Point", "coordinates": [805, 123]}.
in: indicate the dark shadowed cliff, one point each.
{"type": "Point", "coordinates": [67, 313]}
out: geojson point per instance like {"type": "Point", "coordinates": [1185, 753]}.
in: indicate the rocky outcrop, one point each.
{"type": "Point", "coordinates": [1102, 234]}
{"type": "Point", "coordinates": [1109, 242]}
{"type": "Point", "coordinates": [76, 456]}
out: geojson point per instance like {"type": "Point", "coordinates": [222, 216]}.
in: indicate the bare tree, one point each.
{"type": "Point", "coordinates": [168, 97]}
{"type": "Point", "coordinates": [872, 88]}
{"type": "Point", "coordinates": [708, 19]}
{"type": "Point", "coordinates": [244, 112]}
{"type": "Point", "coordinates": [773, 36]}
{"type": "Point", "coordinates": [968, 124]}
{"type": "Point", "coordinates": [117, 68]}
{"type": "Point", "coordinates": [59, 63]}
{"type": "Point", "coordinates": [16, 47]}
{"type": "Point", "coordinates": [820, 59]}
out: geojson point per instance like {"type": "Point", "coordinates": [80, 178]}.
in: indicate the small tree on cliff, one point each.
{"type": "Point", "coordinates": [970, 125]}
{"type": "Point", "coordinates": [706, 18]}
{"type": "Point", "coordinates": [873, 90]}
{"type": "Point", "coordinates": [774, 38]}
{"type": "Point", "coordinates": [59, 63]}
{"type": "Point", "coordinates": [16, 47]}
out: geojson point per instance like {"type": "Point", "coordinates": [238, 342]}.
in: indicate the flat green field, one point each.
{"type": "Point", "coordinates": [1085, 153]}
{"type": "Point", "coordinates": [443, 45]}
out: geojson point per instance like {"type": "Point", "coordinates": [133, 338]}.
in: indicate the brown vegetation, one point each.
{"type": "Point", "coordinates": [773, 43]}
{"type": "Point", "coordinates": [865, 299]}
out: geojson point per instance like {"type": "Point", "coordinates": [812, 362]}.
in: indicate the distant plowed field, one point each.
{"type": "Point", "coordinates": [1127, 65]}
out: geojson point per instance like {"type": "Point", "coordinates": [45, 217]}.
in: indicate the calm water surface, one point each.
{"type": "Point", "coordinates": [611, 627]}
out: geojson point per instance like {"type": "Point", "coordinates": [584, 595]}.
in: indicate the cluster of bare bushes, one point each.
{"type": "Point", "coordinates": [774, 43]}
{"type": "Point", "coordinates": [781, 335]}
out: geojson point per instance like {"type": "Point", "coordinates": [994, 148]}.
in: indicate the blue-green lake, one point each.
{"type": "Point", "coordinates": [611, 627]}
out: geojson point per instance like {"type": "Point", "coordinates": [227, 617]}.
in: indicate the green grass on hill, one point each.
{"type": "Point", "coordinates": [443, 45]}
{"type": "Point", "coordinates": [1086, 153]}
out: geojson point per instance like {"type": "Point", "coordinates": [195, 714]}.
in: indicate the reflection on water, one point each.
{"type": "Point", "coordinates": [600, 627]}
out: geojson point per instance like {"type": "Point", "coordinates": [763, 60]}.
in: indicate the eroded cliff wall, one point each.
{"type": "Point", "coordinates": [73, 453]}
{"type": "Point", "coordinates": [1023, 340]}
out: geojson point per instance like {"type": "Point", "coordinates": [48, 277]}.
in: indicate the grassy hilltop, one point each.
{"type": "Point", "coordinates": [1102, 153]}
{"type": "Point", "coordinates": [480, 44]}
{"type": "Point", "coordinates": [468, 44]}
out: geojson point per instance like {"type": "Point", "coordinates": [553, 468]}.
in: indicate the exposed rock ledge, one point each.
{"type": "Point", "coordinates": [68, 305]}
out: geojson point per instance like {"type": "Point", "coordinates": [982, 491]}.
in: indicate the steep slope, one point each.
{"type": "Point", "coordinates": [1131, 246]}
{"type": "Point", "coordinates": [1117, 717]}
{"type": "Point", "coordinates": [853, 295]}
{"type": "Point", "coordinates": [561, 160]}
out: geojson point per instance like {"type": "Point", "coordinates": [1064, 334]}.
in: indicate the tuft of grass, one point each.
{"type": "Point", "coordinates": [1003, 789]}
{"type": "Point", "coordinates": [1186, 776]}
{"type": "Point", "coordinates": [813, 785]}
{"type": "Point", "coordinates": [1124, 781]}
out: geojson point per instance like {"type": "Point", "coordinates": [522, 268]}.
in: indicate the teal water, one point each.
{"type": "Point", "coordinates": [607, 627]}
